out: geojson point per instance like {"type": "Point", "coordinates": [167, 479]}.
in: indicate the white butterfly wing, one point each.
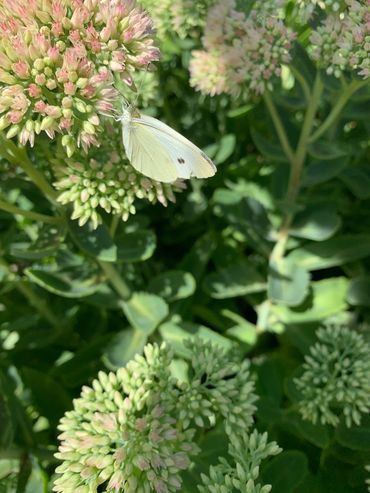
{"type": "Point", "coordinates": [159, 152]}
{"type": "Point", "coordinates": [146, 154]}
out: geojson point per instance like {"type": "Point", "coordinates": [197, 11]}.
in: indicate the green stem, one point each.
{"type": "Point", "coordinates": [18, 157]}
{"type": "Point", "coordinates": [305, 87]}
{"type": "Point", "coordinates": [13, 209]}
{"type": "Point", "coordinates": [116, 280]}
{"type": "Point", "coordinates": [37, 178]}
{"type": "Point", "coordinates": [280, 130]}
{"type": "Point", "coordinates": [297, 162]}
{"type": "Point", "coordinates": [40, 304]}
{"type": "Point", "coordinates": [348, 91]}
{"type": "Point", "coordinates": [114, 225]}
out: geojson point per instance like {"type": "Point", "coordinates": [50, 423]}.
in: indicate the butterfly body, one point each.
{"type": "Point", "coordinates": [159, 152]}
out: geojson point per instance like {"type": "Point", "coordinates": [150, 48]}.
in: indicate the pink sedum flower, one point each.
{"type": "Point", "coordinates": [241, 54]}
{"type": "Point", "coordinates": [342, 42]}
{"type": "Point", "coordinates": [58, 59]}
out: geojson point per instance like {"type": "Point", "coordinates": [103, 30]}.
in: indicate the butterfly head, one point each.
{"type": "Point", "coordinates": [128, 113]}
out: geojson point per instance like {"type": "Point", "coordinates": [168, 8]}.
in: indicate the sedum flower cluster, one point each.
{"type": "Point", "coordinates": [106, 182]}
{"type": "Point", "coordinates": [241, 54]}
{"type": "Point", "coordinates": [336, 378]}
{"type": "Point", "coordinates": [177, 16]}
{"type": "Point", "coordinates": [125, 432]}
{"type": "Point", "coordinates": [342, 41]}
{"type": "Point", "coordinates": [221, 387]}
{"type": "Point", "coordinates": [247, 453]}
{"type": "Point", "coordinates": [58, 59]}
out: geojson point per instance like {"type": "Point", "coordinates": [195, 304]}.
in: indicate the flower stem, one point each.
{"type": "Point", "coordinates": [347, 92]}
{"type": "Point", "coordinates": [116, 280]}
{"type": "Point", "coordinates": [279, 127]}
{"type": "Point", "coordinates": [37, 178]}
{"type": "Point", "coordinates": [13, 209]}
{"type": "Point", "coordinates": [18, 157]}
{"type": "Point", "coordinates": [296, 160]}
{"type": "Point", "coordinates": [40, 304]}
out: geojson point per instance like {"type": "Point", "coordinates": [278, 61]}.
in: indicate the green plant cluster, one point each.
{"type": "Point", "coordinates": [220, 326]}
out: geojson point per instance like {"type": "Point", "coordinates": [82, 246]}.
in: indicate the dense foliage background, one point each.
{"type": "Point", "coordinates": [256, 259]}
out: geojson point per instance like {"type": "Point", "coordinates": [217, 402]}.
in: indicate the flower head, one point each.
{"type": "Point", "coordinates": [241, 54]}
{"type": "Point", "coordinates": [342, 41]}
{"type": "Point", "coordinates": [58, 59]}
{"type": "Point", "coordinates": [122, 432]}
{"type": "Point", "coordinates": [221, 387]}
{"type": "Point", "coordinates": [180, 16]}
{"type": "Point", "coordinates": [107, 182]}
{"type": "Point", "coordinates": [336, 377]}
{"type": "Point", "coordinates": [247, 452]}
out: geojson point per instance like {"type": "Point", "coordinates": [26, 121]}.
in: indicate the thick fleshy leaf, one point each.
{"type": "Point", "coordinates": [173, 285]}
{"type": "Point", "coordinates": [287, 282]}
{"type": "Point", "coordinates": [357, 179]}
{"type": "Point", "coordinates": [49, 238]}
{"type": "Point", "coordinates": [136, 246]}
{"type": "Point", "coordinates": [359, 291]}
{"type": "Point", "coordinates": [338, 250]}
{"type": "Point", "coordinates": [236, 280]}
{"type": "Point", "coordinates": [176, 333]}
{"type": "Point", "coordinates": [355, 437]}
{"type": "Point", "coordinates": [145, 311]}
{"type": "Point", "coordinates": [316, 223]}
{"type": "Point", "coordinates": [322, 171]}
{"type": "Point", "coordinates": [326, 150]}
{"type": "Point", "coordinates": [123, 347]}
{"type": "Point", "coordinates": [226, 148]}
{"type": "Point", "coordinates": [69, 283]}
{"type": "Point", "coordinates": [95, 242]}
{"type": "Point", "coordinates": [328, 298]}
{"type": "Point", "coordinates": [269, 150]}
{"type": "Point", "coordinates": [286, 471]}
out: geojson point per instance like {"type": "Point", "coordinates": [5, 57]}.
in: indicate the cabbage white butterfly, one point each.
{"type": "Point", "coordinates": [159, 152]}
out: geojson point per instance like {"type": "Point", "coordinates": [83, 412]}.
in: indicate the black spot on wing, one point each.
{"type": "Point", "coordinates": [181, 160]}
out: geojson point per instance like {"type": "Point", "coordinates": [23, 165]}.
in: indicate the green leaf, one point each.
{"type": "Point", "coordinates": [145, 311]}
{"type": "Point", "coordinates": [95, 242]}
{"type": "Point", "coordinates": [226, 148]}
{"type": "Point", "coordinates": [123, 347]}
{"type": "Point", "coordinates": [37, 482]}
{"type": "Point", "coordinates": [49, 396]}
{"type": "Point", "coordinates": [317, 434]}
{"type": "Point", "coordinates": [330, 253]}
{"type": "Point", "coordinates": [236, 280]}
{"type": "Point", "coordinates": [244, 331]}
{"type": "Point", "coordinates": [198, 257]}
{"type": "Point", "coordinates": [357, 179]}
{"type": "Point", "coordinates": [241, 111]}
{"type": "Point", "coordinates": [316, 223]}
{"type": "Point", "coordinates": [286, 471]}
{"type": "Point", "coordinates": [269, 150]}
{"type": "Point", "coordinates": [287, 282]}
{"type": "Point", "coordinates": [328, 298]}
{"type": "Point", "coordinates": [326, 150]}
{"type": "Point", "coordinates": [176, 333]}
{"type": "Point", "coordinates": [69, 283]}
{"type": "Point", "coordinates": [355, 437]}
{"type": "Point", "coordinates": [173, 285]}
{"type": "Point", "coordinates": [136, 246]}
{"type": "Point", "coordinates": [359, 291]}
{"type": "Point", "coordinates": [321, 171]}
{"type": "Point", "coordinates": [48, 241]}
